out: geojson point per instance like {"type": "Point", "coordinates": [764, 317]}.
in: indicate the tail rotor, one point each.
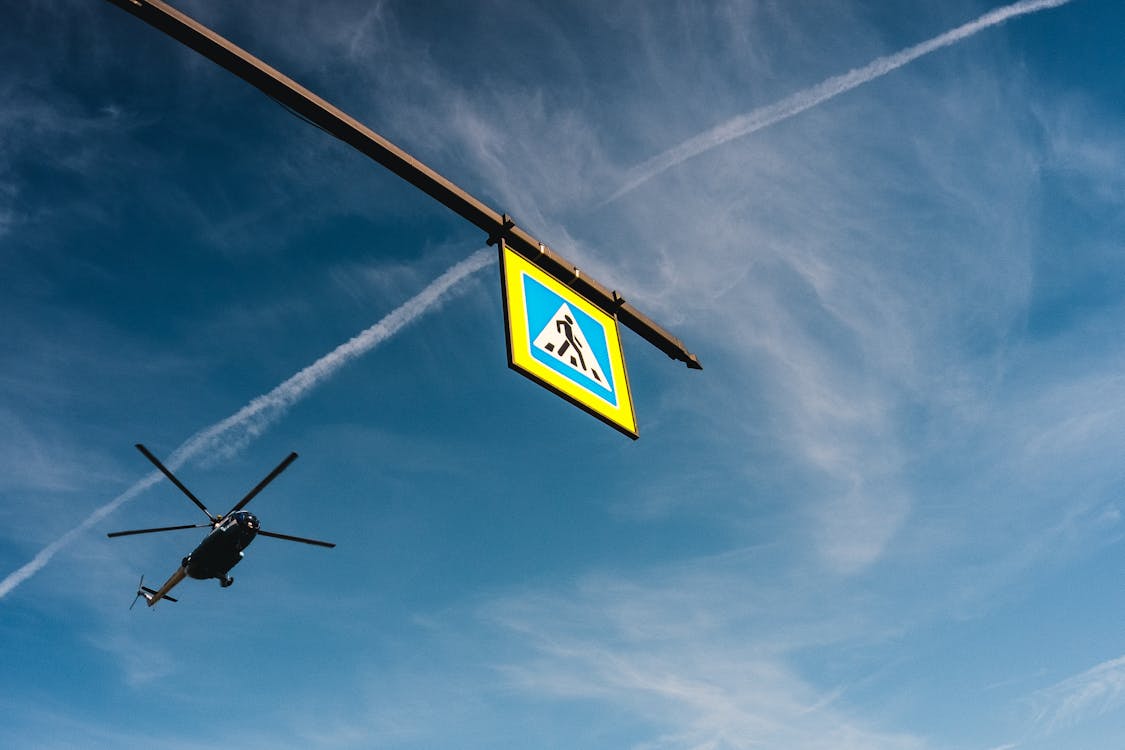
{"type": "Point", "coordinates": [140, 592]}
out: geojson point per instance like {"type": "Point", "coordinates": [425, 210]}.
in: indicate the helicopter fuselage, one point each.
{"type": "Point", "coordinates": [222, 549]}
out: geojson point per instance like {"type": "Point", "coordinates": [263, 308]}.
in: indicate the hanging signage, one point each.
{"type": "Point", "coordinates": [566, 343]}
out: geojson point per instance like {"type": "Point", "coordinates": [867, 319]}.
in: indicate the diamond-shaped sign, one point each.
{"type": "Point", "coordinates": [561, 340]}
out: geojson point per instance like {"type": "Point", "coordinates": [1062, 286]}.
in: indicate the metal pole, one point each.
{"type": "Point", "coordinates": [337, 123]}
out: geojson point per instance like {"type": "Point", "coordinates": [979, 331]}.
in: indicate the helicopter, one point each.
{"type": "Point", "coordinates": [222, 549]}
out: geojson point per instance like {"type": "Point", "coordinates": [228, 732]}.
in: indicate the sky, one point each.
{"type": "Point", "coordinates": [886, 515]}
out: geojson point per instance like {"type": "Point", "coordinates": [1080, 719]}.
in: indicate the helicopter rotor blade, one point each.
{"type": "Point", "coordinates": [262, 484]}
{"type": "Point", "coordinates": [286, 537]}
{"type": "Point", "coordinates": [172, 477]}
{"type": "Point", "coordinates": [162, 528]}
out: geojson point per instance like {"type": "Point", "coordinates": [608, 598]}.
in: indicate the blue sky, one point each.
{"type": "Point", "coordinates": [887, 515]}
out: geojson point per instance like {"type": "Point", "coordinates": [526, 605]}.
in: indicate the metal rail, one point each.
{"type": "Point", "coordinates": [339, 124]}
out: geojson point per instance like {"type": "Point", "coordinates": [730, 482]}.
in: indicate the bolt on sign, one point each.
{"type": "Point", "coordinates": [566, 343]}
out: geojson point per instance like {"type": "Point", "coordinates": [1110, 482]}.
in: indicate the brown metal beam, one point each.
{"type": "Point", "coordinates": [337, 123]}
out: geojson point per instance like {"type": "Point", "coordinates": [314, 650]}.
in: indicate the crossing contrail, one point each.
{"type": "Point", "coordinates": [236, 431]}
{"type": "Point", "coordinates": [793, 104]}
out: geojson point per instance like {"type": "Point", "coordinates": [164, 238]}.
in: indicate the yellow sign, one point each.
{"type": "Point", "coordinates": [561, 340]}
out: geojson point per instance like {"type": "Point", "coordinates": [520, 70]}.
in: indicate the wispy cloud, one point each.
{"type": "Point", "coordinates": [235, 432]}
{"type": "Point", "coordinates": [55, 135]}
{"type": "Point", "coordinates": [763, 117]}
{"type": "Point", "coordinates": [29, 461]}
{"type": "Point", "coordinates": [1084, 696]}
{"type": "Point", "coordinates": [703, 656]}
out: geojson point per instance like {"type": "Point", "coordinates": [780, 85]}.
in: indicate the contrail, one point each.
{"type": "Point", "coordinates": [239, 429]}
{"type": "Point", "coordinates": [763, 117]}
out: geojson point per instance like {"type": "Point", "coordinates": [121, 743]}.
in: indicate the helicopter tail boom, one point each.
{"type": "Point", "coordinates": [150, 595]}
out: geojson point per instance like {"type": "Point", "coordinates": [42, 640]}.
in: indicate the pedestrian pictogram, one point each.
{"type": "Point", "coordinates": [561, 340]}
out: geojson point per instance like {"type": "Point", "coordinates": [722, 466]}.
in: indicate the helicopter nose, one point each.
{"type": "Point", "coordinates": [248, 521]}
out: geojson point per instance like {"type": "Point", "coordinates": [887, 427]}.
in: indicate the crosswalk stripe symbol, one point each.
{"type": "Point", "coordinates": [562, 338]}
